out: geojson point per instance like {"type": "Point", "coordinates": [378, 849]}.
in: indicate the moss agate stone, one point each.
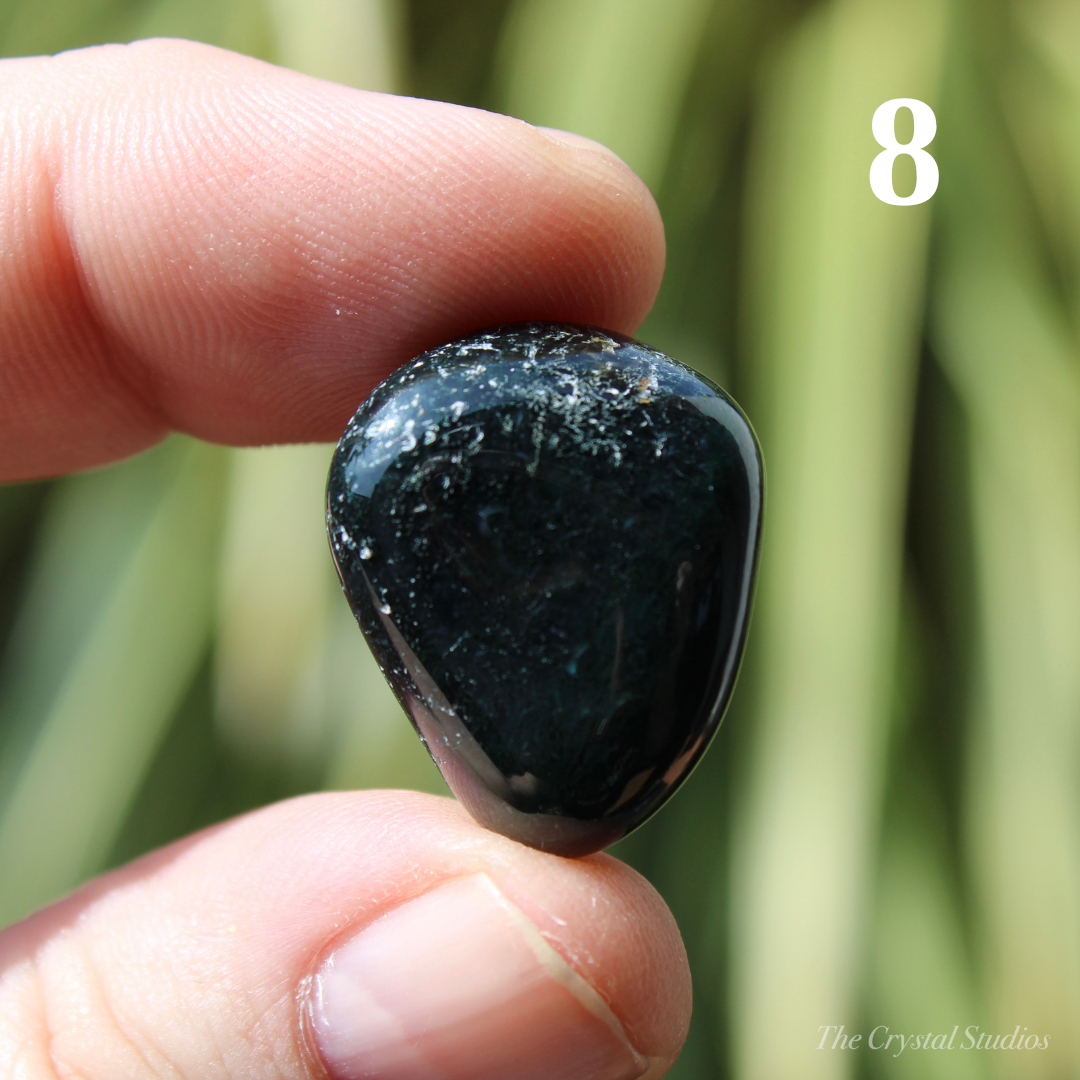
{"type": "Point", "coordinates": [548, 535]}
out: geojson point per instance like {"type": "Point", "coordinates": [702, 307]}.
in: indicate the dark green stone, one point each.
{"type": "Point", "coordinates": [548, 535]}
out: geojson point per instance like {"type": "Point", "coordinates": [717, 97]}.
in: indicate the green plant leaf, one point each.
{"type": "Point", "coordinates": [614, 70]}
{"type": "Point", "coordinates": [115, 623]}
{"type": "Point", "coordinates": [835, 288]}
{"type": "Point", "coordinates": [1006, 343]}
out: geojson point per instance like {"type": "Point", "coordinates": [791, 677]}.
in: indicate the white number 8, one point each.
{"type": "Point", "coordinates": [926, 170]}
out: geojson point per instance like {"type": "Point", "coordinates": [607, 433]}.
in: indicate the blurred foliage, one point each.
{"type": "Point", "coordinates": [886, 831]}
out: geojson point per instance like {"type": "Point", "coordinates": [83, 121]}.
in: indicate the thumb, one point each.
{"type": "Point", "coordinates": [371, 934]}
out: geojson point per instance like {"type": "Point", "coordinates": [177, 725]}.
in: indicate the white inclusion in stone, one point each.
{"type": "Point", "coordinates": [383, 426]}
{"type": "Point", "coordinates": [456, 409]}
{"type": "Point", "coordinates": [365, 551]}
{"type": "Point", "coordinates": [384, 607]}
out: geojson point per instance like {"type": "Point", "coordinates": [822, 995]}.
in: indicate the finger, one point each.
{"type": "Point", "coordinates": [196, 240]}
{"type": "Point", "coordinates": [372, 934]}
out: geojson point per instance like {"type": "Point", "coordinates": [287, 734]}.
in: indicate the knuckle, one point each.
{"type": "Point", "coordinates": [56, 1022]}
{"type": "Point", "coordinates": [25, 1045]}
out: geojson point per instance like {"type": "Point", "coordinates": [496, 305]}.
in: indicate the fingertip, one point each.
{"type": "Point", "coordinates": [208, 951]}
{"type": "Point", "coordinates": [603, 919]}
{"type": "Point", "coordinates": [240, 252]}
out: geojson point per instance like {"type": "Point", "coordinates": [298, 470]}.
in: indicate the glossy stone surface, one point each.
{"type": "Point", "coordinates": [548, 535]}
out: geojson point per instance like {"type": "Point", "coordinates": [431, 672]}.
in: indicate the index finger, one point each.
{"type": "Point", "coordinates": [194, 240]}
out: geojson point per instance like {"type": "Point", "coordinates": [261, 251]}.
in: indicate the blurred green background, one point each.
{"type": "Point", "coordinates": [886, 830]}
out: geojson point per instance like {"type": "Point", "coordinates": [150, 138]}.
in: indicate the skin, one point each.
{"type": "Point", "coordinates": [195, 241]}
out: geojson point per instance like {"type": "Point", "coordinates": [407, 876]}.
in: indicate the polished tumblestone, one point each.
{"type": "Point", "coordinates": [548, 535]}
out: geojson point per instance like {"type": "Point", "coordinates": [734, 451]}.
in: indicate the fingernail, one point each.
{"type": "Point", "coordinates": [459, 985]}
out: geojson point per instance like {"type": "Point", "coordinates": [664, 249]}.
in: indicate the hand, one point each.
{"type": "Point", "coordinates": [195, 241]}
